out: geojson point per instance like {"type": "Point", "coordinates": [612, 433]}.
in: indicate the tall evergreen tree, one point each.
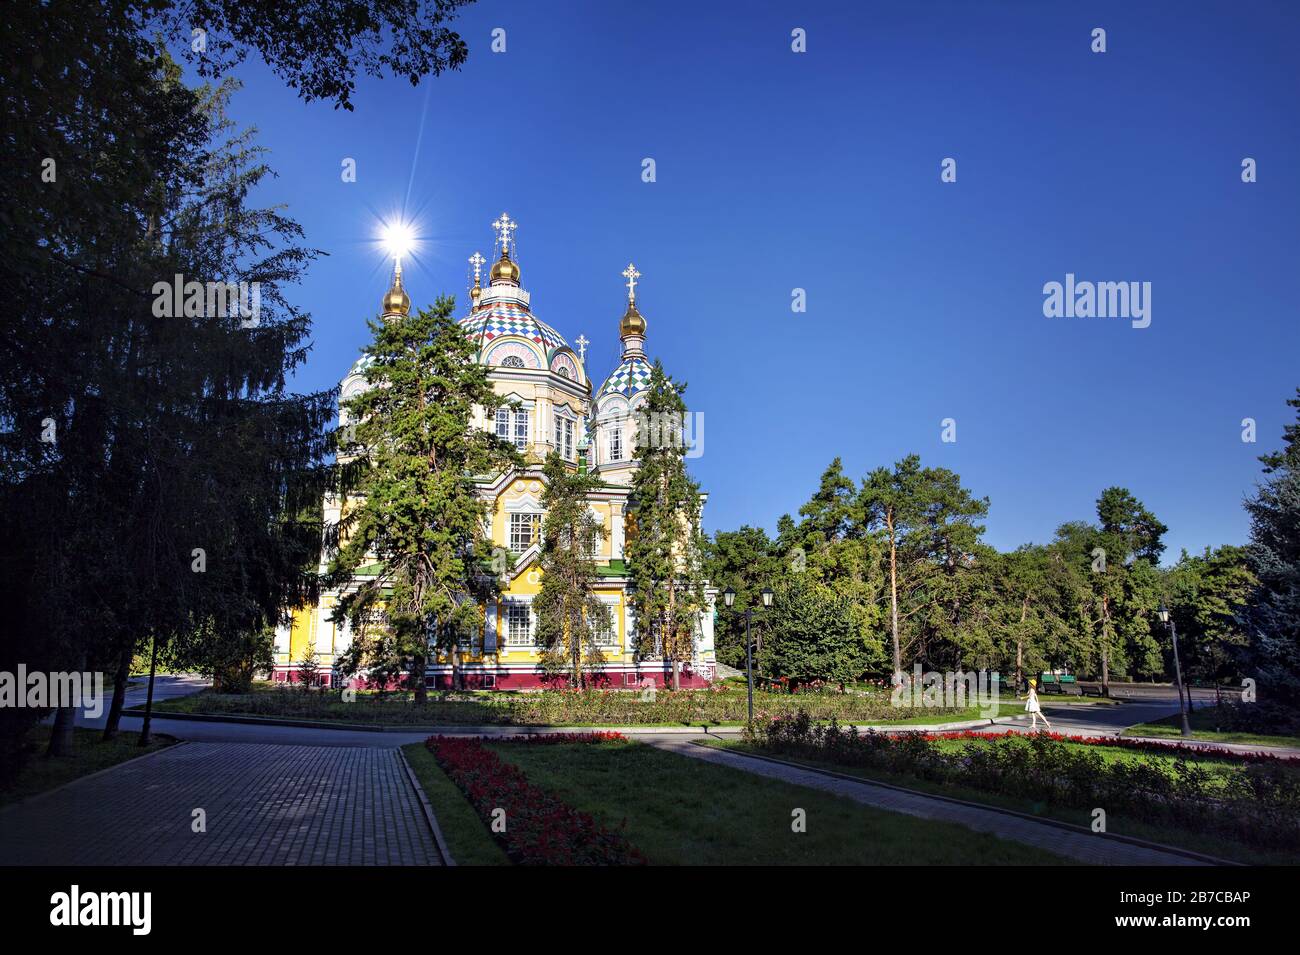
{"type": "Point", "coordinates": [889, 502]}
{"type": "Point", "coordinates": [663, 551]}
{"type": "Point", "coordinates": [414, 511]}
{"type": "Point", "coordinates": [570, 617]}
{"type": "Point", "coordinates": [929, 528]}
{"type": "Point", "coordinates": [1272, 618]}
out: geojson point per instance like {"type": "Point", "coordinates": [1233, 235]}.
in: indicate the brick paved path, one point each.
{"type": "Point", "coordinates": [1084, 847]}
{"type": "Point", "coordinates": [265, 804]}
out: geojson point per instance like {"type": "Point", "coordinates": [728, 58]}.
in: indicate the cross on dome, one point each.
{"type": "Point", "coordinates": [631, 274]}
{"type": "Point", "coordinates": [477, 261]}
{"type": "Point", "coordinates": [505, 228]}
{"type": "Point", "coordinates": [582, 344]}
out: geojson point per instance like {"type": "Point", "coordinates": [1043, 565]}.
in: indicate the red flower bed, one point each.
{"type": "Point", "coordinates": [551, 738]}
{"type": "Point", "coordinates": [540, 829]}
{"type": "Point", "coordinates": [1181, 749]}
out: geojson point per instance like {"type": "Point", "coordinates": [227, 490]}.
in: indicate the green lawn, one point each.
{"type": "Point", "coordinates": [1195, 841]}
{"type": "Point", "coordinates": [1203, 728]}
{"type": "Point", "coordinates": [468, 839]}
{"type": "Point", "coordinates": [682, 811]}
{"type": "Point", "coordinates": [42, 773]}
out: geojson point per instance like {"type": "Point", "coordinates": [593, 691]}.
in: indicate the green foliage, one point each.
{"type": "Point", "coordinates": [664, 551]}
{"type": "Point", "coordinates": [410, 453]}
{"type": "Point", "coordinates": [129, 431]}
{"type": "Point", "coordinates": [570, 617]}
{"type": "Point", "coordinates": [1207, 595]}
{"type": "Point", "coordinates": [746, 561]}
{"type": "Point", "coordinates": [1272, 619]}
{"type": "Point", "coordinates": [814, 635]}
{"type": "Point", "coordinates": [928, 527]}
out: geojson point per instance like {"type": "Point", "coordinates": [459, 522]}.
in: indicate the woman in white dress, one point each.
{"type": "Point", "coordinates": [1033, 708]}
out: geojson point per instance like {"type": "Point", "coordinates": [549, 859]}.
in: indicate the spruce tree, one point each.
{"type": "Point", "coordinates": [1272, 619]}
{"type": "Point", "coordinates": [663, 551]}
{"type": "Point", "coordinates": [570, 617]}
{"type": "Point", "coordinates": [412, 502]}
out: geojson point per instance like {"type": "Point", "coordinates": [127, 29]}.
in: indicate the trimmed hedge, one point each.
{"type": "Point", "coordinates": [1252, 801]}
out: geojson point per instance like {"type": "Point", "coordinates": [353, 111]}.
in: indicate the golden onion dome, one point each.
{"type": "Point", "coordinates": [504, 271]}
{"type": "Point", "coordinates": [396, 301]}
{"type": "Point", "coordinates": [632, 323]}
{"type": "Point", "coordinates": [475, 293]}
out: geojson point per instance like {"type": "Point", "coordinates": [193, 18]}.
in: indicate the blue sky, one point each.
{"type": "Point", "coordinates": [820, 171]}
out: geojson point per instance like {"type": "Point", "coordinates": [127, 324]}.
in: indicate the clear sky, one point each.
{"type": "Point", "coordinates": [821, 171]}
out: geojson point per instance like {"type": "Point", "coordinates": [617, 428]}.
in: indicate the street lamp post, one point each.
{"type": "Point", "coordinates": [1167, 619]}
{"type": "Point", "coordinates": [729, 598]}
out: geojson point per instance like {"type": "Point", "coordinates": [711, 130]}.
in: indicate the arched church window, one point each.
{"type": "Point", "coordinates": [563, 372]}
{"type": "Point", "coordinates": [512, 361]}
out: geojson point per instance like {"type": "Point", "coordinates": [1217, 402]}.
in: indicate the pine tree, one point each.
{"type": "Point", "coordinates": [570, 617]}
{"type": "Point", "coordinates": [413, 502]}
{"type": "Point", "coordinates": [663, 552]}
{"type": "Point", "coordinates": [1272, 619]}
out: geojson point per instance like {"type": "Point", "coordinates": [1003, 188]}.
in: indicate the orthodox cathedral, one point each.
{"type": "Point", "coordinates": [554, 407]}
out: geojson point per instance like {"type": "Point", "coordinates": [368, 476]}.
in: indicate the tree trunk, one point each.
{"type": "Point", "coordinates": [120, 679]}
{"type": "Point", "coordinates": [148, 703]}
{"type": "Point", "coordinates": [417, 677]}
{"type": "Point", "coordinates": [65, 721]}
{"type": "Point", "coordinates": [61, 738]}
{"type": "Point", "coordinates": [1105, 645]}
{"type": "Point", "coordinates": [1020, 645]}
{"type": "Point", "coordinates": [893, 593]}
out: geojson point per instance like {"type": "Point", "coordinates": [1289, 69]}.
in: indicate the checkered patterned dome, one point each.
{"type": "Point", "coordinates": [631, 377]}
{"type": "Point", "coordinates": [507, 318]}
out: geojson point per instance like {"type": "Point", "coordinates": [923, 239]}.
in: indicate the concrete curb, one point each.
{"type": "Point", "coordinates": [429, 817]}
{"type": "Point", "coordinates": [1056, 823]}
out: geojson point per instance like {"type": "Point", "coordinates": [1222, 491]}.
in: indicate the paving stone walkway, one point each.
{"type": "Point", "coordinates": [1083, 847]}
{"type": "Point", "coordinates": [265, 805]}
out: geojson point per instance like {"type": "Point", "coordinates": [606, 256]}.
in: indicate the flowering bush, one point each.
{"type": "Point", "coordinates": [1122, 742]}
{"type": "Point", "coordinates": [1256, 801]}
{"type": "Point", "coordinates": [540, 829]}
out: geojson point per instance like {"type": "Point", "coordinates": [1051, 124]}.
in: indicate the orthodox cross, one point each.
{"type": "Point", "coordinates": [582, 347]}
{"type": "Point", "coordinates": [505, 228]}
{"type": "Point", "coordinates": [477, 261]}
{"type": "Point", "coordinates": [631, 274]}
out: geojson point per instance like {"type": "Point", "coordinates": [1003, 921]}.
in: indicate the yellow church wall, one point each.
{"type": "Point", "coordinates": [303, 630]}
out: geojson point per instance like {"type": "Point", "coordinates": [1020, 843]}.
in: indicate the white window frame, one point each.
{"type": "Point", "coordinates": [615, 441]}
{"type": "Point", "coordinates": [565, 427]}
{"type": "Point", "coordinates": [513, 609]}
{"type": "Point", "coordinates": [513, 426]}
{"type": "Point", "coordinates": [517, 519]}
{"type": "Point", "coordinates": [611, 605]}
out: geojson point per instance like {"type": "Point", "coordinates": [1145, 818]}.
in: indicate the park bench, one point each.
{"type": "Point", "coordinates": [1068, 684]}
{"type": "Point", "coordinates": [1092, 689]}
{"type": "Point", "coordinates": [1048, 683]}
